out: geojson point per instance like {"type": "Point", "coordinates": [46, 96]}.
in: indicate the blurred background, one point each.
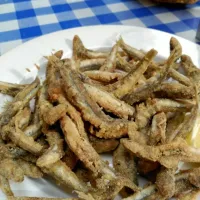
{"type": "Point", "coordinates": [22, 20]}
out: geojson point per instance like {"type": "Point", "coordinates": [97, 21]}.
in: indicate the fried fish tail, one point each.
{"type": "Point", "coordinates": [5, 186]}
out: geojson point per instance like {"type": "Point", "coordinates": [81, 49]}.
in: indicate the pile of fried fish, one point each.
{"type": "Point", "coordinates": [121, 101]}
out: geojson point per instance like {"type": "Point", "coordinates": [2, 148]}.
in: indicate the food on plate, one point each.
{"type": "Point", "coordinates": [122, 102]}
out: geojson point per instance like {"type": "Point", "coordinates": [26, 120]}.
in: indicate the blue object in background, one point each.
{"type": "Point", "coordinates": [22, 20]}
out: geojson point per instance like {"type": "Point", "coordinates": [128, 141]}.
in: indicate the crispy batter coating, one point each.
{"type": "Point", "coordinates": [124, 65]}
{"type": "Point", "coordinates": [175, 46]}
{"type": "Point", "coordinates": [79, 51]}
{"type": "Point", "coordinates": [5, 186]}
{"type": "Point", "coordinates": [55, 152]}
{"type": "Point", "coordinates": [11, 170]}
{"type": "Point", "coordinates": [74, 88]}
{"type": "Point", "coordinates": [20, 101]}
{"type": "Point", "coordinates": [125, 85]}
{"type": "Point", "coordinates": [91, 64]}
{"type": "Point", "coordinates": [110, 63]}
{"type": "Point", "coordinates": [29, 169]}
{"type": "Point", "coordinates": [175, 124]}
{"type": "Point", "coordinates": [20, 139]}
{"type": "Point", "coordinates": [146, 90]}
{"type": "Point", "coordinates": [103, 76]}
{"type": "Point", "coordinates": [103, 145]}
{"type": "Point", "coordinates": [85, 151]}
{"type": "Point", "coordinates": [138, 136]}
{"type": "Point", "coordinates": [175, 91]}
{"type": "Point", "coordinates": [158, 129]}
{"type": "Point", "coordinates": [107, 191]}
{"type": "Point", "coordinates": [167, 154]}
{"type": "Point", "coordinates": [190, 69]}
{"type": "Point", "coordinates": [50, 113]}
{"type": "Point", "coordinates": [165, 182]}
{"type": "Point", "coordinates": [11, 89]}
{"type": "Point", "coordinates": [131, 51]}
{"type": "Point", "coordinates": [64, 175]}
{"type": "Point", "coordinates": [193, 195]}
{"type": "Point", "coordinates": [179, 77]}
{"type": "Point", "coordinates": [109, 102]}
{"type": "Point", "coordinates": [119, 94]}
{"type": "Point", "coordinates": [145, 112]}
{"type": "Point", "coordinates": [183, 186]}
{"type": "Point", "coordinates": [124, 164]}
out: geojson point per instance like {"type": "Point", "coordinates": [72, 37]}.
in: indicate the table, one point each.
{"type": "Point", "coordinates": [22, 20]}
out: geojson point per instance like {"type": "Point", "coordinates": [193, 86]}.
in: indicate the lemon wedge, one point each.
{"type": "Point", "coordinates": [193, 141]}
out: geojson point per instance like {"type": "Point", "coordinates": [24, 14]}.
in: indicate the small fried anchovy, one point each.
{"type": "Point", "coordinates": [64, 175]}
{"type": "Point", "coordinates": [5, 186]}
{"type": "Point", "coordinates": [59, 54]}
{"type": "Point", "coordinates": [20, 139]}
{"type": "Point", "coordinates": [20, 101]}
{"type": "Point", "coordinates": [52, 81]}
{"type": "Point", "coordinates": [190, 69]}
{"type": "Point", "coordinates": [122, 64]}
{"type": "Point", "coordinates": [109, 102]}
{"type": "Point", "coordinates": [74, 115]}
{"type": "Point", "coordinates": [49, 113]}
{"type": "Point", "coordinates": [158, 129]}
{"type": "Point", "coordinates": [17, 136]}
{"type": "Point", "coordinates": [145, 112]}
{"type": "Point", "coordinates": [103, 76]}
{"type": "Point", "coordinates": [175, 91]}
{"type": "Point", "coordinates": [125, 85]}
{"type": "Point", "coordinates": [124, 164]}
{"type": "Point", "coordinates": [175, 124]}
{"type": "Point", "coordinates": [179, 77]}
{"type": "Point", "coordinates": [11, 88]}
{"type": "Point", "coordinates": [167, 155]}
{"type": "Point", "coordinates": [55, 152]}
{"type": "Point", "coordinates": [34, 128]}
{"type": "Point", "coordinates": [85, 152]}
{"type": "Point", "coordinates": [22, 119]}
{"type": "Point", "coordinates": [146, 90]}
{"type": "Point", "coordinates": [131, 51]}
{"type": "Point", "coordinates": [103, 145]}
{"type": "Point", "coordinates": [110, 63]}
{"type": "Point", "coordinates": [79, 51]}
{"type": "Point", "coordinates": [91, 64]}
{"type": "Point", "coordinates": [175, 46]}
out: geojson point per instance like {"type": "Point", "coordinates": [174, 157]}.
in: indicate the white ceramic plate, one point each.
{"type": "Point", "coordinates": [14, 63]}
